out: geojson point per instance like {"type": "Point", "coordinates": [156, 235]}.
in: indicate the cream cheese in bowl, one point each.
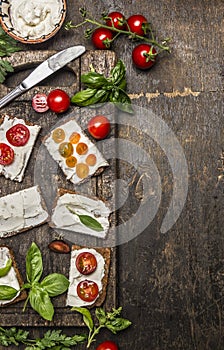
{"type": "Point", "coordinates": [32, 20]}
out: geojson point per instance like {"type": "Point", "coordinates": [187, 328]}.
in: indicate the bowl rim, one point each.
{"type": "Point", "coordinates": [40, 39]}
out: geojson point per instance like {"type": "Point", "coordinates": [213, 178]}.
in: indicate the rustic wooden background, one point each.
{"type": "Point", "coordinates": [171, 285]}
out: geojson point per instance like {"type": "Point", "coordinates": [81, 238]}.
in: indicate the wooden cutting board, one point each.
{"type": "Point", "coordinates": [67, 79]}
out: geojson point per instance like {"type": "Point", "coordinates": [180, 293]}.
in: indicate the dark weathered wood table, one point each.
{"type": "Point", "coordinates": [170, 284]}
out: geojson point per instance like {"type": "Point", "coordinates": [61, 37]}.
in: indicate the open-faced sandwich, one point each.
{"type": "Point", "coordinates": [9, 275]}
{"type": "Point", "coordinates": [21, 211]}
{"type": "Point", "coordinates": [81, 214]}
{"type": "Point", "coordinates": [77, 156]}
{"type": "Point", "coordinates": [17, 140]}
{"type": "Point", "coordinates": [88, 276]}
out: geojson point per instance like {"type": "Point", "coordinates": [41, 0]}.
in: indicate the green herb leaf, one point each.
{"type": "Point", "coordinates": [7, 292]}
{"type": "Point", "coordinates": [117, 324]}
{"type": "Point", "coordinates": [118, 73]}
{"type": "Point", "coordinates": [101, 315]}
{"type": "Point", "coordinates": [5, 270]}
{"type": "Point", "coordinates": [41, 303]}
{"type": "Point", "coordinates": [81, 97]}
{"type": "Point", "coordinates": [88, 221]}
{"type": "Point", "coordinates": [12, 336]}
{"type": "Point", "coordinates": [94, 80]}
{"type": "Point", "coordinates": [123, 102]}
{"type": "Point", "coordinates": [34, 264]}
{"type": "Point", "coordinates": [87, 318]}
{"type": "Point", "coordinates": [55, 284]}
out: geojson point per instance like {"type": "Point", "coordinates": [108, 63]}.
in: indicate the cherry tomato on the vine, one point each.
{"type": "Point", "coordinates": [107, 345]}
{"type": "Point", "coordinates": [58, 101]}
{"type": "Point", "coordinates": [137, 24]}
{"type": "Point", "coordinates": [18, 135]}
{"type": "Point", "coordinates": [87, 290]}
{"type": "Point", "coordinates": [144, 56]}
{"type": "Point", "coordinates": [116, 19]}
{"type": "Point", "coordinates": [6, 154]}
{"type": "Point", "coordinates": [99, 127]}
{"type": "Point", "coordinates": [101, 38]}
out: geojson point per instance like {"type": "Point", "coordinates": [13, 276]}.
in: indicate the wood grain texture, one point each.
{"type": "Point", "coordinates": [171, 285]}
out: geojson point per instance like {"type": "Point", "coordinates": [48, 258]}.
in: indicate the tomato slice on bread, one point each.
{"type": "Point", "coordinates": [6, 154]}
{"type": "Point", "coordinates": [86, 263]}
{"type": "Point", "coordinates": [18, 135]}
{"type": "Point", "coordinates": [87, 290]}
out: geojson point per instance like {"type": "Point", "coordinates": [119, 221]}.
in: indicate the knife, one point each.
{"type": "Point", "coordinates": [44, 70]}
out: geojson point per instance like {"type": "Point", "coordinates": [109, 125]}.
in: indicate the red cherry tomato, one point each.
{"type": "Point", "coordinates": [99, 127]}
{"type": "Point", "coordinates": [18, 135]}
{"type": "Point", "coordinates": [39, 103]}
{"type": "Point", "coordinates": [86, 263]}
{"type": "Point", "coordinates": [144, 56]}
{"type": "Point", "coordinates": [107, 345]}
{"type": "Point", "coordinates": [6, 154]}
{"type": "Point", "coordinates": [87, 290]}
{"type": "Point", "coordinates": [101, 38]}
{"type": "Point", "coordinates": [136, 24]}
{"type": "Point", "coordinates": [116, 20]}
{"type": "Point", "coordinates": [58, 101]}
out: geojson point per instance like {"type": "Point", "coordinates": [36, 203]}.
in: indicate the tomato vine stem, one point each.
{"type": "Point", "coordinates": [162, 46]}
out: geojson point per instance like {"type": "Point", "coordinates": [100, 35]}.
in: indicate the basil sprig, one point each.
{"type": "Point", "coordinates": [110, 320]}
{"type": "Point", "coordinates": [5, 270]}
{"type": "Point", "coordinates": [88, 221]}
{"type": "Point", "coordinates": [40, 293]}
{"type": "Point", "coordinates": [100, 89]}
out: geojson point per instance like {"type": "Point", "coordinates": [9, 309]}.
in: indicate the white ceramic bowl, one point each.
{"type": "Point", "coordinates": [12, 25]}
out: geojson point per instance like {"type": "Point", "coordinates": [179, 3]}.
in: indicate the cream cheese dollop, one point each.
{"type": "Point", "coordinates": [35, 18]}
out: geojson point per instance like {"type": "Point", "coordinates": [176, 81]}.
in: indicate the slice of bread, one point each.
{"type": "Point", "coordinates": [106, 255]}
{"type": "Point", "coordinates": [15, 171]}
{"type": "Point", "coordinates": [13, 275]}
{"type": "Point", "coordinates": [22, 210]}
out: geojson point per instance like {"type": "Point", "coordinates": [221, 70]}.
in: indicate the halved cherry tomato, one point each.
{"type": "Point", "coordinates": [58, 135]}
{"type": "Point", "coordinates": [58, 101]}
{"type": "Point", "coordinates": [87, 290]}
{"type": "Point", "coordinates": [137, 24]}
{"type": "Point", "coordinates": [101, 38]}
{"type": "Point", "coordinates": [71, 161]}
{"type": "Point", "coordinates": [107, 345]}
{"type": "Point", "coordinates": [91, 159]}
{"type": "Point", "coordinates": [65, 149]}
{"type": "Point", "coordinates": [74, 137]}
{"type": "Point", "coordinates": [18, 135]}
{"type": "Point", "coordinates": [116, 19]}
{"type": "Point", "coordinates": [82, 170]}
{"type": "Point", "coordinates": [81, 148]}
{"type": "Point", "coordinates": [86, 263]}
{"type": "Point", "coordinates": [6, 154]}
{"type": "Point", "coordinates": [99, 127]}
{"type": "Point", "coordinates": [39, 103]}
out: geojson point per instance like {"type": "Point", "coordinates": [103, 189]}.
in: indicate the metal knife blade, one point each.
{"type": "Point", "coordinates": [44, 70]}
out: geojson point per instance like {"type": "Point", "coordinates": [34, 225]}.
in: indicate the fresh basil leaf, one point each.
{"type": "Point", "coordinates": [123, 102]}
{"type": "Point", "coordinates": [101, 315]}
{"type": "Point", "coordinates": [5, 270]}
{"type": "Point", "coordinates": [118, 324]}
{"type": "Point", "coordinates": [41, 303]}
{"type": "Point", "coordinates": [97, 98]}
{"type": "Point", "coordinates": [34, 264]}
{"type": "Point", "coordinates": [81, 97]}
{"type": "Point", "coordinates": [55, 284]}
{"type": "Point", "coordinates": [87, 318]}
{"type": "Point", "coordinates": [7, 292]}
{"type": "Point", "coordinates": [94, 80]}
{"type": "Point", "coordinates": [123, 84]}
{"type": "Point", "coordinates": [118, 73]}
{"type": "Point", "coordinates": [88, 221]}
